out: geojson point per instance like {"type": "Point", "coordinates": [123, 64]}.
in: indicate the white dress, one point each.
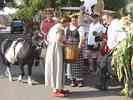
{"type": "Point", "coordinates": [54, 71]}
{"type": "Point", "coordinates": [95, 27]}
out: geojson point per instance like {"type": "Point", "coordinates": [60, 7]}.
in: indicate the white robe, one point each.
{"type": "Point", "coordinates": [97, 27]}
{"type": "Point", "coordinates": [115, 34]}
{"type": "Point", "coordinates": [54, 71]}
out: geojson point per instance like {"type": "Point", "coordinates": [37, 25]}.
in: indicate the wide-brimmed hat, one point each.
{"type": "Point", "coordinates": [109, 12]}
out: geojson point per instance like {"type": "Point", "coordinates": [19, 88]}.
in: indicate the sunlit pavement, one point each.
{"type": "Point", "coordinates": [21, 91]}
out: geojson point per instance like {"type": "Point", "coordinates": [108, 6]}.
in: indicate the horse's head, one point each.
{"type": "Point", "coordinates": [38, 41]}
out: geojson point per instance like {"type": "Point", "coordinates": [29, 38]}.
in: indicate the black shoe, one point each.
{"type": "Point", "coordinates": [37, 63]}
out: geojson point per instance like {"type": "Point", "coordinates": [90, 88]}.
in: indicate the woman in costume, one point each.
{"type": "Point", "coordinates": [74, 69]}
{"type": "Point", "coordinates": [54, 70]}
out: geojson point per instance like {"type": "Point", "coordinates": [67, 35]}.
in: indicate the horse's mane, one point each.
{"type": "Point", "coordinates": [5, 45]}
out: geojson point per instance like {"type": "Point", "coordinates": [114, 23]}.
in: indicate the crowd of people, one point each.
{"type": "Point", "coordinates": [94, 36]}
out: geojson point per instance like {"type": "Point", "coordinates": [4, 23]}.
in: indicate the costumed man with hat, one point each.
{"type": "Point", "coordinates": [114, 36]}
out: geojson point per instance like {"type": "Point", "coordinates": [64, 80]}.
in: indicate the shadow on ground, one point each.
{"type": "Point", "coordinates": [94, 93]}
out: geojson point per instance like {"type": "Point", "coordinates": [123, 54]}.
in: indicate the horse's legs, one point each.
{"type": "Point", "coordinates": [21, 72]}
{"type": "Point", "coordinates": [42, 64]}
{"type": "Point", "coordinates": [9, 72]}
{"type": "Point", "coordinates": [29, 73]}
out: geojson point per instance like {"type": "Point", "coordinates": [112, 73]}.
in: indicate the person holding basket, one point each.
{"type": "Point", "coordinates": [72, 53]}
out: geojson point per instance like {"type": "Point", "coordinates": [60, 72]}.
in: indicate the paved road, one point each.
{"type": "Point", "coordinates": [21, 91]}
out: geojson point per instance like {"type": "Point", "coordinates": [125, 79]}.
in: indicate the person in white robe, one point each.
{"type": "Point", "coordinates": [115, 33]}
{"type": "Point", "coordinates": [54, 70]}
{"type": "Point", "coordinates": [84, 23]}
{"type": "Point", "coordinates": [96, 29]}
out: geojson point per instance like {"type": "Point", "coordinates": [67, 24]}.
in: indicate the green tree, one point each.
{"type": "Point", "coordinates": [29, 8]}
{"type": "Point", "coordinates": [115, 4]}
{"type": "Point", "coordinates": [75, 2]}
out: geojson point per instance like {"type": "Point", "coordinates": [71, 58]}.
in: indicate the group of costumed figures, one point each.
{"type": "Point", "coordinates": [118, 62]}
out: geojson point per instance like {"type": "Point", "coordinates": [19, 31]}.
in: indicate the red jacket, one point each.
{"type": "Point", "coordinates": [105, 49]}
{"type": "Point", "coordinates": [46, 25]}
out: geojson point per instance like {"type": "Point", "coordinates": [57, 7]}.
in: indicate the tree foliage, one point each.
{"type": "Point", "coordinates": [115, 4]}
{"type": "Point", "coordinates": [29, 8]}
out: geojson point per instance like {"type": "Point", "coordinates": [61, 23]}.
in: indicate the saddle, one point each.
{"type": "Point", "coordinates": [11, 53]}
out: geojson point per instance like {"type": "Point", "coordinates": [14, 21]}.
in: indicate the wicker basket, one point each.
{"type": "Point", "coordinates": [71, 53]}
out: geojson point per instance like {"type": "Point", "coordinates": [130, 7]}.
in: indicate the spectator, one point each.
{"type": "Point", "coordinates": [84, 22]}
{"type": "Point", "coordinates": [45, 26]}
{"type": "Point", "coordinates": [47, 23]}
{"type": "Point", "coordinates": [96, 31]}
